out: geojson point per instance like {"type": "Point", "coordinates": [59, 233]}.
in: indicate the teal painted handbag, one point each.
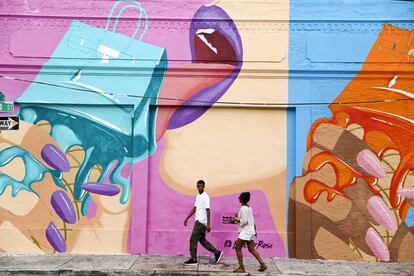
{"type": "Point", "coordinates": [96, 90]}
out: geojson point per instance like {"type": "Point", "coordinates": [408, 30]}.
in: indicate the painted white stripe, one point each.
{"type": "Point", "coordinates": [205, 31]}
{"type": "Point", "coordinates": [370, 110]}
{"type": "Point", "coordinates": [398, 91]}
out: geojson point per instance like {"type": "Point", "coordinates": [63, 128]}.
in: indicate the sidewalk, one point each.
{"type": "Point", "coordinates": [162, 265]}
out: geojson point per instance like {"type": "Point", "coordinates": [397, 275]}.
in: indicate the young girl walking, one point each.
{"type": "Point", "coordinates": [247, 232]}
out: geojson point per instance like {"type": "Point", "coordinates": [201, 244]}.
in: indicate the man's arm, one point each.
{"type": "Point", "coordinates": [208, 220]}
{"type": "Point", "coordinates": [189, 215]}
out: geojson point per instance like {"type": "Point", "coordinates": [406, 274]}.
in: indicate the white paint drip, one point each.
{"type": "Point", "coordinates": [393, 81]}
{"type": "Point", "coordinates": [209, 45]}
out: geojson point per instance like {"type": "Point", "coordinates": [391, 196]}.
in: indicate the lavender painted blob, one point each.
{"type": "Point", "coordinates": [55, 238]}
{"type": "Point", "coordinates": [101, 189]}
{"type": "Point", "coordinates": [63, 206]}
{"type": "Point", "coordinates": [215, 18]}
{"type": "Point", "coordinates": [55, 158]}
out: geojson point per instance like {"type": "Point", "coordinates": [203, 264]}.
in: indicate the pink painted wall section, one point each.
{"type": "Point", "coordinates": [167, 210]}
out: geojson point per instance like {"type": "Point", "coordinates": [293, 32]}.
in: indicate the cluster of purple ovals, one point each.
{"type": "Point", "coordinates": [61, 202]}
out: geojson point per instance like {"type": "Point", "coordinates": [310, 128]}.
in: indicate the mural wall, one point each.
{"type": "Point", "coordinates": [351, 192]}
{"type": "Point", "coordinates": [124, 105]}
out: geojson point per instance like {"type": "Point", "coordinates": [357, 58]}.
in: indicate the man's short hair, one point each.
{"type": "Point", "coordinates": [201, 182]}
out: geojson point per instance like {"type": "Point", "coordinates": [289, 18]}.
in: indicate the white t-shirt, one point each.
{"type": "Point", "coordinates": [246, 224]}
{"type": "Point", "coordinates": [202, 203]}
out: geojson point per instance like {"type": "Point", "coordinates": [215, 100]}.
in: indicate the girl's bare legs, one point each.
{"type": "Point", "coordinates": [239, 246]}
{"type": "Point", "coordinates": [254, 252]}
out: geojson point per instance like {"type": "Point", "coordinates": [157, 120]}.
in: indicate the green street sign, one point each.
{"type": "Point", "coordinates": [6, 107]}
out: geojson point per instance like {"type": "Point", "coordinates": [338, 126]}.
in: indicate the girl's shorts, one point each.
{"type": "Point", "coordinates": [246, 237]}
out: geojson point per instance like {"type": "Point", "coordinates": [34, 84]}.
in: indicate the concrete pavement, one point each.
{"type": "Point", "coordinates": [164, 265]}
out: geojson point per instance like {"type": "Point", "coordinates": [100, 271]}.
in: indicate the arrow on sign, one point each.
{"type": "Point", "coordinates": [8, 123]}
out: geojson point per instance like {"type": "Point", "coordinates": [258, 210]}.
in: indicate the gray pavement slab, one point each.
{"type": "Point", "coordinates": [33, 262]}
{"type": "Point", "coordinates": [228, 264]}
{"type": "Point", "coordinates": [100, 262]}
{"type": "Point", "coordinates": [66, 265]}
{"type": "Point", "coordinates": [29, 272]}
{"type": "Point", "coordinates": [364, 268]}
{"type": "Point", "coordinates": [313, 267]}
{"type": "Point", "coordinates": [162, 264]}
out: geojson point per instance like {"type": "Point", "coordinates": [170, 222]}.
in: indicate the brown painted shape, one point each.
{"type": "Point", "coordinates": [329, 246]}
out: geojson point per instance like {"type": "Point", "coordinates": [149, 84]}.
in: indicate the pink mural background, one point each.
{"type": "Point", "coordinates": [166, 210]}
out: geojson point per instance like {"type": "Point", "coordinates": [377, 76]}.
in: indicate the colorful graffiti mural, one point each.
{"type": "Point", "coordinates": [126, 105]}
{"type": "Point", "coordinates": [354, 201]}
{"type": "Point", "coordinates": [111, 110]}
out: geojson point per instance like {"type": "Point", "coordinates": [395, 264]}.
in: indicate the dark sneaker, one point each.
{"type": "Point", "coordinates": [191, 262]}
{"type": "Point", "coordinates": [218, 257]}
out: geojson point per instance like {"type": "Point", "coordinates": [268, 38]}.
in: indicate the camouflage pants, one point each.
{"type": "Point", "coordinates": [199, 235]}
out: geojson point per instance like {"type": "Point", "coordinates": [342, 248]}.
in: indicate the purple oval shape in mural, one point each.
{"type": "Point", "coordinates": [101, 189]}
{"type": "Point", "coordinates": [55, 158]}
{"type": "Point", "coordinates": [63, 206]}
{"type": "Point", "coordinates": [214, 38]}
{"type": "Point", "coordinates": [55, 238]}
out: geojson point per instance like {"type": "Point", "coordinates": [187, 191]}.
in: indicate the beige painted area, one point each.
{"type": "Point", "coordinates": [255, 9]}
{"type": "Point", "coordinates": [107, 233]}
{"type": "Point", "coordinates": [254, 89]}
{"type": "Point", "coordinates": [20, 242]}
{"type": "Point", "coordinates": [229, 146]}
{"type": "Point", "coordinates": [112, 204]}
{"type": "Point", "coordinates": [4, 145]}
{"type": "Point", "coordinates": [15, 169]}
{"type": "Point", "coordinates": [21, 204]}
{"type": "Point", "coordinates": [101, 241]}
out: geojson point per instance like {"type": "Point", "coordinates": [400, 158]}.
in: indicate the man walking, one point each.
{"type": "Point", "coordinates": [201, 226]}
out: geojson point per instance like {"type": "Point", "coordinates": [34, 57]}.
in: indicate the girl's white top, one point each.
{"type": "Point", "coordinates": [246, 224]}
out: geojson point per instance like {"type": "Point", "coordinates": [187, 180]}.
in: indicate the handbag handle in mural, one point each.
{"type": "Point", "coordinates": [134, 4]}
